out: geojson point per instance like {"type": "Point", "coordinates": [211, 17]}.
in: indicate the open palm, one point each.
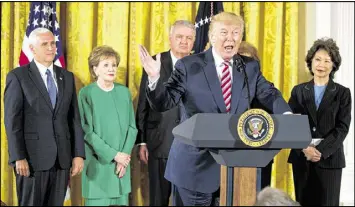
{"type": "Point", "coordinates": [151, 66]}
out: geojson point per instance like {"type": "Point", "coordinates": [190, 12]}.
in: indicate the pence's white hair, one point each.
{"type": "Point", "coordinates": [33, 37]}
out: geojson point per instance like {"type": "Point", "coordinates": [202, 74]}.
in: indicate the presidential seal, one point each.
{"type": "Point", "coordinates": [255, 127]}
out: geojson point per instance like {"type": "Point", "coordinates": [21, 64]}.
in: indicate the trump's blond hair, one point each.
{"type": "Point", "coordinates": [226, 18]}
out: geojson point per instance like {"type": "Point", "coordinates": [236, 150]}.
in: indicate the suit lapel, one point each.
{"type": "Point", "coordinates": [328, 96]}
{"type": "Point", "coordinates": [308, 94]}
{"type": "Point", "coordinates": [60, 84]}
{"type": "Point", "coordinates": [38, 81]}
{"type": "Point", "coordinates": [213, 81]}
{"type": "Point", "coordinates": [237, 86]}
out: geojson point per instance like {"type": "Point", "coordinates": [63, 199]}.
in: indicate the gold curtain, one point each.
{"type": "Point", "coordinates": [271, 27]}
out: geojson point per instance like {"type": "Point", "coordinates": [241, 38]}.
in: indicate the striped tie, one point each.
{"type": "Point", "coordinates": [226, 84]}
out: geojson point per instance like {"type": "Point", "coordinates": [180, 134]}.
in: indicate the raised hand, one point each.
{"type": "Point", "coordinates": [151, 66]}
{"type": "Point", "coordinates": [123, 158]}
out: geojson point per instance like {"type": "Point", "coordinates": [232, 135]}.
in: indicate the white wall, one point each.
{"type": "Point", "coordinates": [342, 29]}
{"type": "Point", "coordinates": [336, 20]}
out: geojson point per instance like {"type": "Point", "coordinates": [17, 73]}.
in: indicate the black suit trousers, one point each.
{"type": "Point", "coordinates": [266, 175]}
{"type": "Point", "coordinates": [315, 186]}
{"type": "Point", "coordinates": [42, 188]}
{"type": "Point", "coordinates": [159, 187]}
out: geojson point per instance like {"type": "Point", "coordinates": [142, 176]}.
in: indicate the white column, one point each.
{"type": "Point", "coordinates": [342, 30]}
{"type": "Point", "coordinates": [323, 20]}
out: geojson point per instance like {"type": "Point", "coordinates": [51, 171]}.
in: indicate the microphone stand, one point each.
{"type": "Point", "coordinates": [240, 64]}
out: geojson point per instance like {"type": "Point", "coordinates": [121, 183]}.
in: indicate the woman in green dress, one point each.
{"type": "Point", "coordinates": [107, 118]}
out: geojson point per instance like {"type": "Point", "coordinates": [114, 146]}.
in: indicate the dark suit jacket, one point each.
{"type": "Point", "coordinates": [195, 83]}
{"type": "Point", "coordinates": [331, 121]}
{"type": "Point", "coordinates": [155, 128]}
{"type": "Point", "coordinates": [34, 130]}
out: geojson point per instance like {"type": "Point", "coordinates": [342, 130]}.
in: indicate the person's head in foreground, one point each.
{"type": "Point", "coordinates": [274, 197]}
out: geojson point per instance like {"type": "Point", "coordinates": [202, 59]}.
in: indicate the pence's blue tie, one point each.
{"type": "Point", "coordinates": [52, 90]}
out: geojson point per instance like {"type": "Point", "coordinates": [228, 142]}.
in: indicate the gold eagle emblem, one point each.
{"type": "Point", "coordinates": [255, 127]}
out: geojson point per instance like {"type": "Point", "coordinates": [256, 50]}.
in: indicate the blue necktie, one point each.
{"type": "Point", "coordinates": [52, 90]}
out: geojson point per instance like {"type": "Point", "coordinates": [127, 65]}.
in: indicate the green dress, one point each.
{"type": "Point", "coordinates": [108, 121]}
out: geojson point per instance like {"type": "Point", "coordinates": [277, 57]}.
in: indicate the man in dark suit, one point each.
{"type": "Point", "coordinates": [155, 128]}
{"type": "Point", "coordinates": [42, 125]}
{"type": "Point", "coordinates": [208, 82]}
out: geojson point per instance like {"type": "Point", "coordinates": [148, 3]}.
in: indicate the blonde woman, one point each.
{"type": "Point", "coordinates": [108, 121]}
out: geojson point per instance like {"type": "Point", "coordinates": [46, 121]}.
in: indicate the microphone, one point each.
{"type": "Point", "coordinates": [240, 66]}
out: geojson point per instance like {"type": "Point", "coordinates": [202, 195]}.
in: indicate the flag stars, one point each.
{"type": "Point", "coordinates": [49, 10]}
{"type": "Point", "coordinates": [43, 23]}
{"type": "Point", "coordinates": [45, 9]}
{"type": "Point", "coordinates": [206, 20]}
{"type": "Point", "coordinates": [50, 24]}
{"type": "Point", "coordinates": [56, 37]}
{"type": "Point", "coordinates": [201, 22]}
{"type": "Point", "coordinates": [36, 9]}
{"type": "Point", "coordinates": [35, 22]}
{"type": "Point", "coordinates": [56, 25]}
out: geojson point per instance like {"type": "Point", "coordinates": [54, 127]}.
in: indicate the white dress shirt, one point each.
{"type": "Point", "coordinates": [43, 69]}
{"type": "Point", "coordinates": [174, 59]}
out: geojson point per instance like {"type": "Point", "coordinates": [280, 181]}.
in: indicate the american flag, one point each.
{"type": "Point", "coordinates": [42, 14]}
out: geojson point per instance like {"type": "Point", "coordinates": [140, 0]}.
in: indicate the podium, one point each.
{"type": "Point", "coordinates": [219, 134]}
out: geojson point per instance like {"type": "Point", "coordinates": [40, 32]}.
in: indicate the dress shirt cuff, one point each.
{"type": "Point", "coordinates": [141, 144]}
{"type": "Point", "coordinates": [152, 84]}
{"type": "Point", "coordinates": [316, 141]}
{"type": "Point", "coordinates": [288, 112]}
